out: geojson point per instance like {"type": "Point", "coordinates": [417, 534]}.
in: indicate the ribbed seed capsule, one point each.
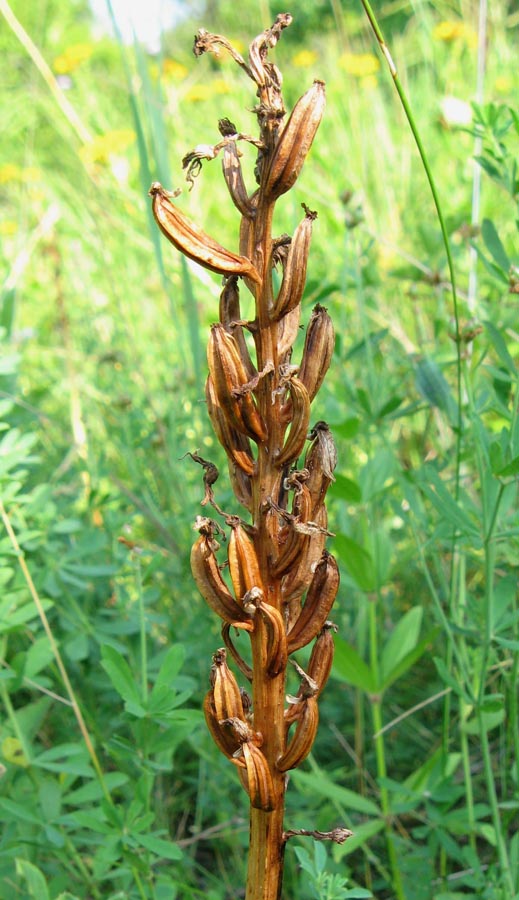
{"type": "Point", "coordinates": [303, 737]}
{"type": "Point", "coordinates": [221, 734]}
{"type": "Point", "coordinates": [260, 786]}
{"type": "Point", "coordinates": [321, 657]}
{"type": "Point", "coordinates": [211, 585]}
{"type": "Point", "coordinates": [226, 693]}
{"type": "Point", "coordinates": [243, 561]}
{"type": "Point", "coordinates": [229, 378]}
{"type": "Point", "coordinates": [297, 579]}
{"type": "Point", "coordinates": [288, 329]}
{"type": "Point", "coordinates": [295, 142]}
{"type": "Point", "coordinates": [230, 313]}
{"type": "Point", "coordinates": [235, 443]}
{"type": "Point", "coordinates": [291, 541]}
{"type": "Point", "coordinates": [276, 659]}
{"type": "Point", "coordinates": [318, 350]}
{"type": "Point", "coordinates": [320, 460]}
{"type": "Point", "coordinates": [294, 270]}
{"type": "Point", "coordinates": [194, 243]}
{"type": "Point", "coordinates": [300, 416]}
{"type": "Point", "coordinates": [319, 601]}
{"type": "Point", "coordinates": [233, 175]}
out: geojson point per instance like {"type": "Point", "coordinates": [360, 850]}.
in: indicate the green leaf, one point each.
{"type": "Point", "coordinates": [499, 344]}
{"type": "Point", "coordinates": [446, 505]}
{"type": "Point", "coordinates": [38, 657]}
{"type": "Point", "coordinates": [120, 675]}
{"type": "Point", "coordinates": [448, 679]}
{"type": "Point", "coordinates": [346, 489]}
{"type": "Point", "coordinates": [402, 640]}
{"type": "Point", "coordinates": [409, 659]}
{"type": "Point", "coordinates": [494, 246]}
{"type": "Point", "coordinates": [162, 848]}
{"type": "Point", "coordinates": [319, 783]}
{"type": "Point", "coordinates": [511, 468]}
{"type": "Point", "coordinates": [35, 879]}
{"type": "Point", "coordinates": [348, 666]}
{"type": "Point", "coordinates": [433, 386]}
{"type": "Point", "coordinates": [376, 474]}
{"type": "Point", "coordinates": [357, 561]}
{"type": "Point", "coordinates": [9, 809]}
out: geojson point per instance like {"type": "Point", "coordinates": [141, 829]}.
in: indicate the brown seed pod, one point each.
{"type": "Point", "coordinates": [321, 658]}
{"type": "Point", "coordinates": [226, 693]}
{"type": "Point", "coordinates": [294, 271]}
{"type": "Point", "coordinates": [319, 601]}
{"type": "Point", "coordinates": [300, 416]}
{"type": "Point", "coordinates": [230, 314]}
{"type": "Point", "coordinates": [297, 579]}
{"type": "Point", "coordinates": [295, 142]}
{"type": "Point", "coordinates": [243, 561]}
{"type": "Point", "coordinates": [194, 243]}
{"type": "Point", "coordinates": [221, 734]}
{"type": "Point", "coordinates": [318, 350]}
{"type": "Point", "coordinates": [211, 585]}
{"type": "Point", "coordinates": [236, 444]}
{"type": "Point", "coordinates": [233, 175]}
{"type": "Point", "coordinates": [288, 329]}
{"type": "Point", "coordinates": [320, 460]}
{"type": "Point", "coordinates": [303, 737]}
{"type": "Point", "coordinates": [241, 485]}
{"type": "Point", "coordinates": [259, 779]}
{"type": "Point", "coordinates": [276, 659]}
{"type": "Point", "coordinates": [230, 379]}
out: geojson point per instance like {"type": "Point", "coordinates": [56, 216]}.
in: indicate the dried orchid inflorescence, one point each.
{"type": "Point", "coordinates": [283, 580]}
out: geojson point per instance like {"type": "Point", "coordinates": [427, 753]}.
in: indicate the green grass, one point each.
{"type": "Point", "coordinates": [101, 394]}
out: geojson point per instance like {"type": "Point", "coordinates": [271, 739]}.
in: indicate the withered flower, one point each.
{"type": "Point", "coordinates": [284, 582]}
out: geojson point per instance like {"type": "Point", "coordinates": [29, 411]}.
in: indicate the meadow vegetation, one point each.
{"type": "Point", "coordinates": [111, 787]}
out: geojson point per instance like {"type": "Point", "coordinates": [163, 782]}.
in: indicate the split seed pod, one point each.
{"type": "Point", "coordinates": [300, 415]}
{"type": "Point", "coordinates": [226, 693]}
{"type": "Point", "coordinates": [303, 737]}
{"type": "Point", "coordinates": [295, 141]}
{"type": "Point", "coordinates": [243, 561]}
{"type": "Point", "coordinates": [235, 443]}
{"type": "Point", "coordinates": [319, 601]}
{"type": "Point", "coordinates": [194, 243]}
{"type": "Point", "coordinates": [318, 350]}
{"type": "Point", "coordinates": [294, 270]}
{"type": "Point", "coordinates": [211, 585]}
{"type": "Point", "coordinates": [230, 379]}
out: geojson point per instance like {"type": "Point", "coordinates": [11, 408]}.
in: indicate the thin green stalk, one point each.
{"type": "Point", "coordinates": [142, 629]}
{"type": "Point", "coordinates": [376, 712]}
{"type": "Point", "coordinates": [11, 714]}
{"type": "Point", "coordinates": [504, 861]}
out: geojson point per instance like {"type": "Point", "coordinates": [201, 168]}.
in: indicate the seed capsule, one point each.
{"type": "Point", "coordinates": [259, 779]}
{"type": "Point", "coordinates": [295, 142]}
{"type": "Point", "coordinates": [211, 585]}
{"type": "Point", "coordinates": [318, 350]}
{"type": "Point", "coordinates": [243, 561]}
{"type": "Point", "coordinates": [230, 379]}
{"type": "Point", "coordinates": [221, 734]}
{"type": "Point", "coordinates": [226, 693]}
{"type": "Point", "coordinates": [320, 460]}
{"type": "Point", "coordinates": [232, 173]}
{"type": "Point", "coordinates": [235, 443]}
{"type": "Point", "coordinates": [319, 601]}
{"type": "Point", "coordinates": [194, 243]}
{"type": "Point", "coordinates": [244, 667]}
{"type": "Point", "coordinates": [294, 270]}
{"type": "Point", "coordinates": [300, 416]}
{"type": "Point", "coordinates": [288, 329]}
{"type": "Point", "coordinates": [303, 737]}
{"type": "Point", "coordinates": [321, 658]}
{"type": "Point", "coordinates": [230, 315]}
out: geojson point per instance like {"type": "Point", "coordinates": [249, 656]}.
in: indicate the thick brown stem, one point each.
{"type": "Point", "coordinates": [266, 852]}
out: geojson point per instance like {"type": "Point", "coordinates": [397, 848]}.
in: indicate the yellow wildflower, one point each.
{"type": "Point", "coordinates": [503, 84]}
{"type": "Point", "coordinates": [221, 86]}
{"type": "Point", "coordinates": [304, 59]}
{"type": "Point", "coordinates": [455, 30]}
{"type": "Point", "coordinates": [174, 70]}
{"type": "Point", "coordinates": [8, 228]}
{"type": "Point", "coordinates": [199, 92]}
{"type": "Point", "coordinates": [10, 172]}
{"type": "Point", "coordinates": [103, 146]}
{"type": "Point", "coordinates": [359, 64]}
{"type": "Point", "coordinates": [72, 57]}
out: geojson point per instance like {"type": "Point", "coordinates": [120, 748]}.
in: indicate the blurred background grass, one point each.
{"type": "Point", "coordinates": [101, 395]}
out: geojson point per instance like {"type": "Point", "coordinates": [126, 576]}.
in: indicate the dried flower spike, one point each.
{"type": "Point", "coordinates": [282, 581]}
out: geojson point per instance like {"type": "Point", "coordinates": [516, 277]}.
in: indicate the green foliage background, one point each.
{"type": "Point", "coordinates": [102, 366]}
